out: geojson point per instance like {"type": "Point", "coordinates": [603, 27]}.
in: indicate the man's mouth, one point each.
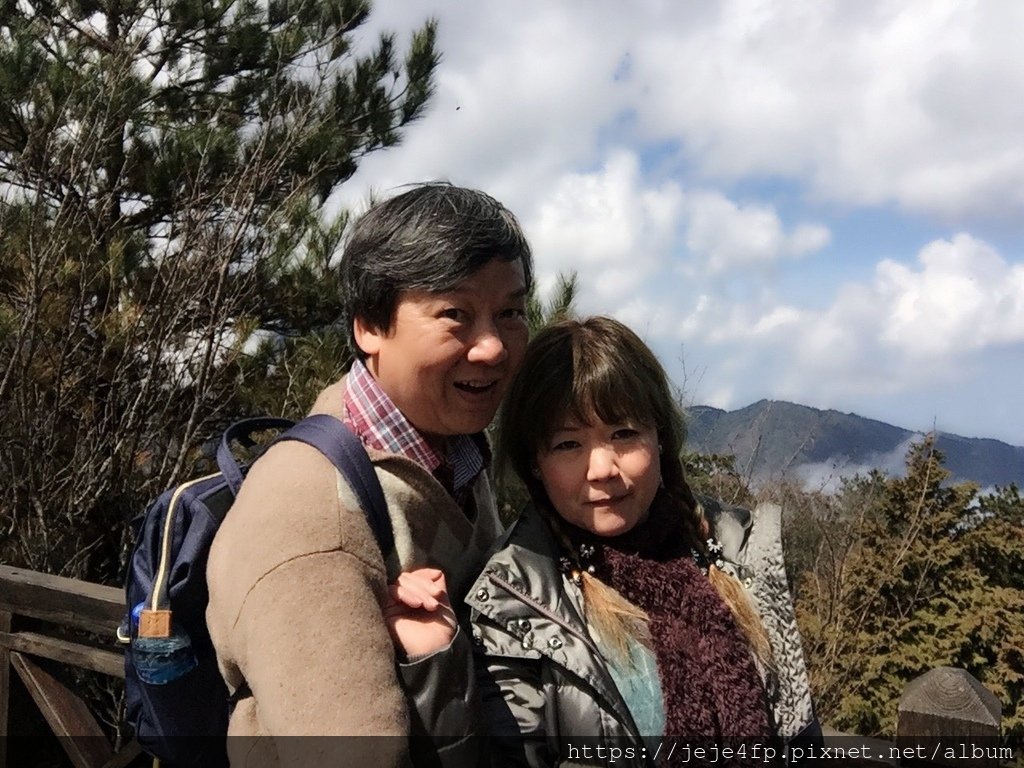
{"type": "Point", "coordinates": [476, 387]}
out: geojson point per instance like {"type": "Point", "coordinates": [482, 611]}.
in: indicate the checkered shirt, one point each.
{"type": "Point", "coordinates": [371, 414]}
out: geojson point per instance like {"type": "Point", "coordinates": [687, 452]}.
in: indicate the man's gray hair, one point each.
{"type": "Point", "coordinates": [429, 238]}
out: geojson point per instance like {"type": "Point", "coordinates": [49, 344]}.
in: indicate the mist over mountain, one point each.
{"type": "Point", "coordinates": [774, 440]}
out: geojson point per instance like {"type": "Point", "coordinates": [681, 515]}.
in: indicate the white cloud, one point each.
{"type": "Point", "coordinates": [827, 476]}
{"type": "Point", "coordinates": [961, 297]}
{"type": "Point", "coordinates": [727, 235]}
{"type": "Point", "coordinates": [925, 326]}
{"type": "Point", "coordinates": [874, 102]}
{"type": "Point", "coordinates": [776, 319]}
{"type": "Point", "coordinates": [908, 326]}
{"type": "Point", "coordinates": [607, 226]}
{"type": "Point", "coordinates": [723, 398]}
{"type": "Point", "coordinates": [964, 297]}
{"type": "Point", "coordinates": [522, 97]}
{"type": "Point", "coordinates": [865, 102]}
{"type": "Point", "coordinates": [713, 318]}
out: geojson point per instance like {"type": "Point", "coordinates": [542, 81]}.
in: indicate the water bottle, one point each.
{"type": "Point", "coordinates": [162, 660]}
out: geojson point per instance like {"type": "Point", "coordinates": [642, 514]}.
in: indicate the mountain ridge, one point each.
{"type": "Point", "coordinates": [777, 439]}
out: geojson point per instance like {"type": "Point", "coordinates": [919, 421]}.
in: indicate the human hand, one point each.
{"type": "Point", "coordinates": [418, 614]}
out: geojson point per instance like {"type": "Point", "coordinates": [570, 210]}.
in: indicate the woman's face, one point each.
{"type": "Point", "coordinates": [601, 477]}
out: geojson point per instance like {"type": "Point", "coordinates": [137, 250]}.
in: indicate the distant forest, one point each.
{"type": "Point", "coordinates": [893, 576]}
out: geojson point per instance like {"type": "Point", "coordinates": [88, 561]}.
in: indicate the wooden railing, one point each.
{"type": "Point", "coordinates": [945, 717]}
{"type": "Point", "coordinates": [945, 707]}
{"type": "Point", "coordinates": [47, 621]}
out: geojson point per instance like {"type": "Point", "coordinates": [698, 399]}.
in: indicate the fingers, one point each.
{"type": "Point", "coordinates": [418, 614]}
{"type": "Point", "coordinates": [401, 612]}
{"type": "Point", "coordinates": [430, 574]}
{"type": "Point", "coordinates": [412, 596]}
{"type": "Point", "coordinates": [421, 588]}
{"type": "Point", "coordinates": [422, 632]}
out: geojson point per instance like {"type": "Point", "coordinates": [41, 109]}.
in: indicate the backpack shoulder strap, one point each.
{"type": "Point", "coordinates": [243, 431]}
{"type": "Point", "coordinates": [345, 451]}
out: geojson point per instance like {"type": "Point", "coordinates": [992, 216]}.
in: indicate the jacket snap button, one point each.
{"type": "Point", "coordinates": [477, 639]}
{"type": "Point", "coordinates": [524, 625]}
{"type": "Point", "coordinates": [482, 595]}
{"type": "Point", "coordinates": [527, 643]}
{"type": "Point", "coordinates": [555, 642]}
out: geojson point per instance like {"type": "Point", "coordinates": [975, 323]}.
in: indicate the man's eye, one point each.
{"type": "Point", "coordinates": [453, 313]}
{"type": "Point", "coordinates": [513, 313]}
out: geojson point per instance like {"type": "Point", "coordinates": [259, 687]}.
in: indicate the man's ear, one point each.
{"type": "Point", "coordinates": [367, 337]}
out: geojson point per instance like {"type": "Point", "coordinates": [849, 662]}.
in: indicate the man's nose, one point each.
{"type": "Point", "coordinates": [603, 464]}
{"type": "Point", "coordinates": [488, 346]}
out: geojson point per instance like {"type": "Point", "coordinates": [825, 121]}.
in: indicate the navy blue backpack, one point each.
{"type": "Point", "coordinates": [176, 700]}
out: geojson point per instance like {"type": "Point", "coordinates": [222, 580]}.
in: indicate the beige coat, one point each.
{"type": "Point", "coordinates": [296, 587]}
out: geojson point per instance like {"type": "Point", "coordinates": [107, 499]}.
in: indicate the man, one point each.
{"type": "Point", "coordinates": [435, 284]}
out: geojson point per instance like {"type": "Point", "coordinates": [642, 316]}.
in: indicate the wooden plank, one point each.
{"type": "Point", "coordinates": [67, 652]}
{"type": "Point", "coordinates": [5, 688]}
{"type": "Point", "coordinates": [60, 600]}
{"type": "Point", "coordinates": [126, 756]}
{"type": "Point", "coordinates": [79, 734]}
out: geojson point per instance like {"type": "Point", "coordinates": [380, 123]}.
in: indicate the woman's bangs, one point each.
{"type": "Point", "coordinates": [553, 407]}
{"type": "Point", "coordinates": [610, 390]}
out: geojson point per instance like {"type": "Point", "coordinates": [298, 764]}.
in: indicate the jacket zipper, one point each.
{"type": "Point", "coordinates": [544, 611]}
{"type": "Point", "coordinates": [551, 615]}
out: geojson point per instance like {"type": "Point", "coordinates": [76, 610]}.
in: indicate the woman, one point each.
{"type": "Point", "coordinates": [619, 607]}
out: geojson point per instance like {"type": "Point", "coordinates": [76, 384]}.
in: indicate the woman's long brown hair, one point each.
{"type": "Point", "coordinates": [580, 370]}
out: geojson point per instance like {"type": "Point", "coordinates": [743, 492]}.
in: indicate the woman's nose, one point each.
{"type": "Point", "coordinates": [603, 464]}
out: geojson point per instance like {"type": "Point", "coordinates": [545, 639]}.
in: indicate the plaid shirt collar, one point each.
{"type": "Point", "coordinates": [379, 424]}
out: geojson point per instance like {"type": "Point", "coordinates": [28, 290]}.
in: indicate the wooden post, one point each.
{"type": "Point", "coordinates": [946, 717]}
{"type": "Point", "coordinates": [5, 688]}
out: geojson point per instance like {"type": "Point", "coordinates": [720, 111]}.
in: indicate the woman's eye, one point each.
{"type": "Point", "coordinates": [626, 433]}
{"type": "Point", "coordinates": [453, 313]}
{"type": "Point", "coordinates": [513, 313]}
{"type": "Point", "coordinates": [565, 445]}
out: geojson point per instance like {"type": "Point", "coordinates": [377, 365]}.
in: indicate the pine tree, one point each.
{"type": "Point", "coordinates": [990, 630]}
{"type": "Point", "coordinates": [164, 254]}
{"type": "Point", "coordinates": [912, 573]}
{"type": "Point", "coordinates": [511, 494]}
{"type": "Point", "coordinates": [559, 305]}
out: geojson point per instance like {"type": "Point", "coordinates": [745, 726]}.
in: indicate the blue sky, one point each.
{"type": "Point", "coordinates": [809, 200]}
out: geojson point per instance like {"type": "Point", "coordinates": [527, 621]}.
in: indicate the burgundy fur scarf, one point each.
{"type": "Point", "coordinates": [710, 686]}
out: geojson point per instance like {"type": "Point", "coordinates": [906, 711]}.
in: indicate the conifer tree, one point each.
{"type": "Point", "coordinates": [511, 495]}
{"type": "Point", "coordinates": [164, 254]}
{"type": "Point", "coordinates": [912, 573]}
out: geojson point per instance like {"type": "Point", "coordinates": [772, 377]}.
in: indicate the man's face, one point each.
{"type": "Point", "coordinates": [449, 357]}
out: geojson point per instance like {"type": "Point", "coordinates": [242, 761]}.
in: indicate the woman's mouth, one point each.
{"type": "Point", "coordinates": [606, 501]}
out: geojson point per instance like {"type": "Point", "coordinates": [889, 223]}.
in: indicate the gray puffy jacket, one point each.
{"type": "Point", "coordinates": [547, 692]}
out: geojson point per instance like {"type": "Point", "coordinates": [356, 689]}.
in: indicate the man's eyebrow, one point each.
{"type": "Point", "coordinates": [519, 293]}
